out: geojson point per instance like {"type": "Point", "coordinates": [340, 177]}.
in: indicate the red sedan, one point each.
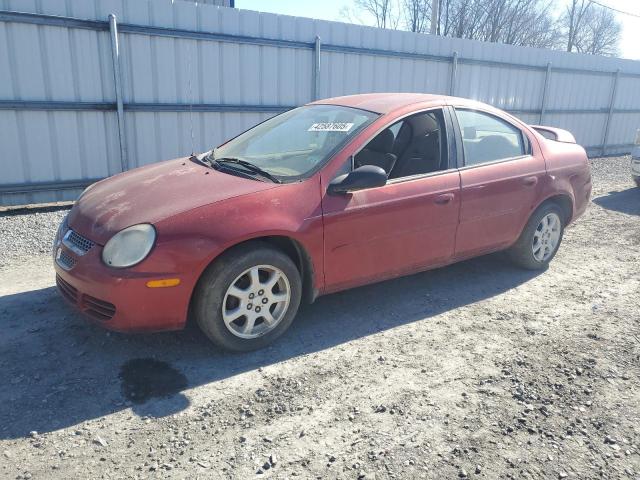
{"type": "Point", "coordinates": [332, 195]}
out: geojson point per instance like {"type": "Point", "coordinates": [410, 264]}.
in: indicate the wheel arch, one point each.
{"type": "Point", "coordinates": [562, 200]}
{"type": "Point", "coordinates": [287, 245]}
{"type": "Point", "coordinates": [300, 257]}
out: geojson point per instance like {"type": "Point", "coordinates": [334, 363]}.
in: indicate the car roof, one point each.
{"type": "Point", "coordinates": [388, 102]}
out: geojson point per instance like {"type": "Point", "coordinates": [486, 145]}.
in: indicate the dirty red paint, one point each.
{"type": "Point", "coordinates": [349, 240]}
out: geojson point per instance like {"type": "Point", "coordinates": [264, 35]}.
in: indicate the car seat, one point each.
{"type": "Point", "coordinates": [422, 155]}
{"type": "Point", "coordinates": [378, 152]}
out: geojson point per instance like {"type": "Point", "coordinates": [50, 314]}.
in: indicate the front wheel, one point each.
{"type": "Point", "coordinates": [540, 239]}
{"type": "Point", "coordinates": [248, 297]}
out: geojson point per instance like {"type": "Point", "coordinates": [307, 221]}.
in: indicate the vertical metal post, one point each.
{"type": "Point", "coordinates": [316, 69]}
{"type": "Point", "coordinates": [115, 56]}
{"type": "Point", "coordinates": [612, 103]}
{"type": "Point", "coordinates": [545, 88]}
{"type": "Point", "coordinates": [454, 73]}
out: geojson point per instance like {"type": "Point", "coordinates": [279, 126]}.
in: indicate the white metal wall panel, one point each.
{"type": "Point", "coordinates": [155, 136]}
{"type": "Point", "coordinates": [47, 63]}
{"type": "Point", "coordinates": [588, 129]}
{"type": "Point", "coordinates": [60, 145]}
{"type": "Point", "coordinates": [221, 3]}
{"type": "Point", "coordinates": [628, 93]}
{"type": "Point", "coordinates": [380, 74]}
{"type": "Point", "coordinates": [511, 89]}
{"type": "Point", "coordinates": [623, 127]}
{"type": "Point", "coordinates": [578, 91]}
{"type": "Point", "coordinates": [39, 62]}
{"type": "Point", "coordinates": [529, 118]}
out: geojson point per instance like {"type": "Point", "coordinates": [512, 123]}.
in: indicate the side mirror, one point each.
{"type": "Point", "coordinates": [367, 176]}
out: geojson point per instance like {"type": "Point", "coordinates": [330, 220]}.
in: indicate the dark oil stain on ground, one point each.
{"type": "Point", "coordinates": [145, 378]}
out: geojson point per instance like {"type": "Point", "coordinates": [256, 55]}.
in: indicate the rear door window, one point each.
{"type": "Point", "coordinates": [486, 138]}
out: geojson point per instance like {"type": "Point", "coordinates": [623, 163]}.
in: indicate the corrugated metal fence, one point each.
{"type": "Point", "coordinates": [65, 120]}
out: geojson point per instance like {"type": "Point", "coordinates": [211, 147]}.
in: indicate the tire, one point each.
{"type": "Point", "coordinates": [523, 253]}
{"type": "Point", "coordinates": [637, 180]}
{"type": "Point", "coordinates": [215, 299]}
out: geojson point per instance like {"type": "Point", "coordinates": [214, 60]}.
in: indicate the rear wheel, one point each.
{"type": "Point", "coordinates": [637, 180]}
{"type": "Point", "coordinates": [248, 297]}
{"type": "Point", "coordinates": [540, 239]}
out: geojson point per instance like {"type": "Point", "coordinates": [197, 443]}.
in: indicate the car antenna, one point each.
{"type": "Point", "coordinates": [190, 99]}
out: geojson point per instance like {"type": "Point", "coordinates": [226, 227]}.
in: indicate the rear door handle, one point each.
{"type": "Point", "coordinates": [530, 181]}
{"type": "Point", "coordinates": [443, 199]}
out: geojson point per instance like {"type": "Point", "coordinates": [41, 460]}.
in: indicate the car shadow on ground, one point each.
{"type": "Point", "coordinates": [60, 371]}
{"type": "Point", "coordinates": [625, 201]}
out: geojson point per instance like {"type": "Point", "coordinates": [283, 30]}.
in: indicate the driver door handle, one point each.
{"type": "Point", "coordinates": [530, 181]}
{"type": "Point", "coordinates": [443, 199]}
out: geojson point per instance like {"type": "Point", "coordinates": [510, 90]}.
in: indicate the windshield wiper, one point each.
{"type": "Point", "coordinates": [206, 160]}
{"type": "Point", "coordinates": [247, 165]}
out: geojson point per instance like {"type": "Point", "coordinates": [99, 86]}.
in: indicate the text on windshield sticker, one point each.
{"type": "Point", "coordinates": [330, 127]}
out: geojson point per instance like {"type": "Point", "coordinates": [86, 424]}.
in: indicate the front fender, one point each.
{"type": "Point", "coordinates": [196, 238]}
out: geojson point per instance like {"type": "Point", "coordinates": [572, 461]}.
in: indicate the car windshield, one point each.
{"type": "Point", "coordinates": [294, 144]}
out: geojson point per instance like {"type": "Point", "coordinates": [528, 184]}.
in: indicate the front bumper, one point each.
{"type": "Point", "coordinates": [118, 299]}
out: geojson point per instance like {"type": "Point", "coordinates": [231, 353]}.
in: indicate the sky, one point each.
{"type": "Point", "coordinates": [331, 10]}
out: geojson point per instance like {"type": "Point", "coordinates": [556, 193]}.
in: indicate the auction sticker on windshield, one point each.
{"type": "Point", "coordinates": [330, 127]}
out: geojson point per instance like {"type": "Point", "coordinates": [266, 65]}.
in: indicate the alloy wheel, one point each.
{"type": "Point", "coordinates": [546, 237]}
{"type": "Point", "coordinates": [256, 301]}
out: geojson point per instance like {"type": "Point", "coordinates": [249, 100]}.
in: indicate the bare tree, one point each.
{"type": "Point", "coordinates": [583, 27]}
{"type": "Point", "coordinates": [530, 24]}
{"type": "Point", "coordinates": [517, 22]}
{"type": "Point", "coordinates": [573, 20]}
{"type": "Point", "coordinates": [384, 12]}
{"type": "Point", "coordinates": [591, 29]}
{"type": "Point", "coordinates": [417, 14]}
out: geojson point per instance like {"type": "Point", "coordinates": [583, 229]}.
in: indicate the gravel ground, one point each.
{"type": "Point", "coordinates": [475, 370]}
{"type": "Point", "coordinates": [24, 236]}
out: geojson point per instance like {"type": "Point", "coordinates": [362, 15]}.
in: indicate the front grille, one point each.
{"type": "Point", "coordinates": [98, 309]}
{"type": "Point", "coordinates": [77, 242]}
{"type": "Point", "coordinates": [65, 260]}
{"type": "Point", "coordinates": [69, 292]}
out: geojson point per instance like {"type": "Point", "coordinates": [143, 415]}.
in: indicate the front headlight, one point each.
{"type": "Point", "coordinates": [62, 229]}
{"type": "Point", "coordinates": [129, 246]}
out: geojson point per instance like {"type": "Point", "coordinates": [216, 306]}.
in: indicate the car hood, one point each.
{"type": "Point", "coordinates": [152, 193]}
